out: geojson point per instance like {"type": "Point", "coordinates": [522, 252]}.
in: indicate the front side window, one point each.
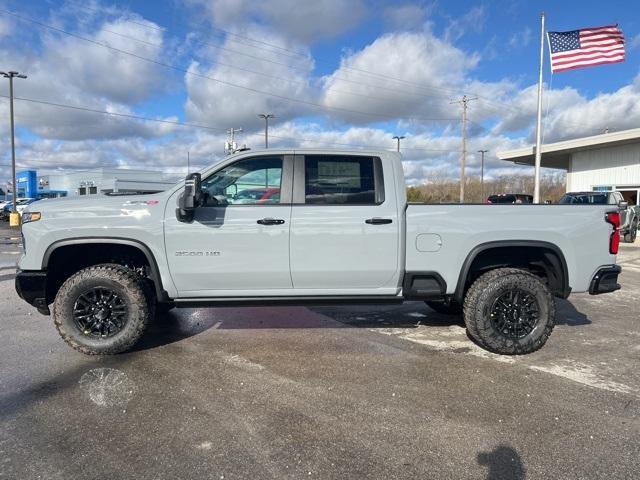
{"type": "Point", "coordinates": [253, 181]}
{"type": "Point", "coordinates": [336, 180]}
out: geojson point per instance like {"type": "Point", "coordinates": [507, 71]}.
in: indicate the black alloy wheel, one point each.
{"type": "Point", "coordinates": [100, 312]}
{"type": "Point", "coordinates": [515, 313]}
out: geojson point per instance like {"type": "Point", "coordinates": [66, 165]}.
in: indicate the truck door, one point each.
{"type": "Point", "coordinates": [239, 238]}
{"type": "Point", "coordinates": [345, 226]}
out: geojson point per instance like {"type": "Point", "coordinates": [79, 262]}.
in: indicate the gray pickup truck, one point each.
{"type": "Point", "coordinates": [629, 214]}
{"type": "Point", "coordinates": [308, 227]}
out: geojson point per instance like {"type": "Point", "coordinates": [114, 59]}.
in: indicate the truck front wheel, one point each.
{"type": "Point", "coordinates": [102, 310]}
{"type": "Point", "coordinates": [509, 311]}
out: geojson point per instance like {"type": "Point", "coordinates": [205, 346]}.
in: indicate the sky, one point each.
{"type": "Point", "coordinates": [176, 74]}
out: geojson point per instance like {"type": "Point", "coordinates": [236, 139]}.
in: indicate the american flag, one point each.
{"type": "Point", "coordinates": [586, 47]}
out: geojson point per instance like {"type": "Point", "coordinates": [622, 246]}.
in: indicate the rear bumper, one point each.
{"type": "Point", "coordinates": [31, 287]}
{"type": "Point", "coordinates": [606, 280]}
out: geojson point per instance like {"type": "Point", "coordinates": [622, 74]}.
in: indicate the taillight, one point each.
{"type": "Point", "coordinates": [613, 218]}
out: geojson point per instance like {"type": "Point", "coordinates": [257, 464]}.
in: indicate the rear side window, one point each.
{"type": "Point", "coordinates": [343, 180]}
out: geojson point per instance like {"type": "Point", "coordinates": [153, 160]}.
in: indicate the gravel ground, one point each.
{"type": "Point", "coordinates": [349, 392]}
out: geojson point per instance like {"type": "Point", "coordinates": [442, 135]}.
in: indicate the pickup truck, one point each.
{"type": "Point", "coordinates": [629, 214]}
{"type": "Point", "coordinates": [339, 231]}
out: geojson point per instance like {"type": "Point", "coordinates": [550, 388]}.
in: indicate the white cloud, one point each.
{"type": "Point", "coordinates": [521, 39]}
{"type": "Point", "coordinates": [409, 16]}
{"type": "Point", "coordinates": [219, 103]}
{"type": "Point", "coordinates": [570, 114]}
{"type": "Point", "coordinates": [68, 70]}
{"type": "Point", "coordinates": [431, 71]}
{"type": "Point", "coordinates": [6, 27]}
{"type": "Point", "coordinates": [303, 21]}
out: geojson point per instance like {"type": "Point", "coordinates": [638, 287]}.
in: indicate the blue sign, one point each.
{"type": "Point", "coordinates": [27, 184]}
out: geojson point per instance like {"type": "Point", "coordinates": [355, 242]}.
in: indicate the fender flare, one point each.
{"type": "Point", "coordinates": [473, 254]}
{"type": "Point", "coordinates": [161, 294]}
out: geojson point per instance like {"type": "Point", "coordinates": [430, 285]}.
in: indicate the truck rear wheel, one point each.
{"type": "Point", "coordinates": [102, 310]}
{"type": "Point", "coordinates": [509, 311]}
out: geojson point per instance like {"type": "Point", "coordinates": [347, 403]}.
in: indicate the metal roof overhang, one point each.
{"type": "Point", "coordinates": [558, 155]}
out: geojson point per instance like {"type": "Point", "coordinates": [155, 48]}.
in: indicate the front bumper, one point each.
{"type": "Point", "coordinates": [31, 286]}
{"type": "Point", "coordinates": [606, 280]}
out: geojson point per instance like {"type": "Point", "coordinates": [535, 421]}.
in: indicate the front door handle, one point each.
{"type": "Point", "coordinates": [271, 221]}
{"type": "Point", "coordinates": [378, 221]}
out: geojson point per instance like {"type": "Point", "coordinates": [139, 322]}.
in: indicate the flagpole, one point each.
{"type": "Point", "coordinates": [536, 181]}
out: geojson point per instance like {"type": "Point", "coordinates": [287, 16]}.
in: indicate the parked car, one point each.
{"type": "Point", "coordinates": [510, 198]}
{"type": "Point", "coordinates": [20, 206]}
{"type": "Point", "coordinates": [342, 232]}
{"type": "Point", "coordinates": [629, 215]}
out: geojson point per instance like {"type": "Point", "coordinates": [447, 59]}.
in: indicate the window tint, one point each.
{"type": "Point", "coordinates": [335, 179]}
{"type": "Point", "coordinates": [254, 181]}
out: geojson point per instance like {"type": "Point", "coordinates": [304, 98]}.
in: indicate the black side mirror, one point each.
{"type": "Point", "coordinates": [190, 198]}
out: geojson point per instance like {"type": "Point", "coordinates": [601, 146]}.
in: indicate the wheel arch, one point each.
{"type": "Point", "coordinates": [556, 266]}
{"type": "Point", "coordinates": [154, 273]}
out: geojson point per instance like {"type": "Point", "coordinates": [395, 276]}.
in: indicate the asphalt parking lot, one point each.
{"type": "Point", "coordinates": [349, 392]}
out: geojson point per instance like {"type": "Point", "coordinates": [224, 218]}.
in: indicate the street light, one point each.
{"type": "Point", "coordinates": [14, 211]}
{"type": "Point", "coordinates": [482, 152]}
{"type": "Point", "coordinates": [266, 117]}
{"type": "Point", "coordinates": [398, 138]}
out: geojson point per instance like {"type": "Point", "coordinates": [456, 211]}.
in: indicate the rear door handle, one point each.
{"type": "Point", "coordinates": [378, 221]}
{"type": "Point", "coordinates": [271, 221]}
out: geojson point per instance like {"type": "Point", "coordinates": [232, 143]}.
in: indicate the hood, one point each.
{"type": "Point", "coordinates": [96, 205]}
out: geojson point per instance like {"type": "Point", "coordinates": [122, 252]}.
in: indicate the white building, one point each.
{"type": "Point", "coordinates": [610, 161]}
{"type": "Point", "coordinates": [100, 180]}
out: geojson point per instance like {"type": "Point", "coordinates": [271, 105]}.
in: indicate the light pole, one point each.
{"type": "Point", "coordinates": [266, 117]}
{"type": "Point", "coordinates": [482, 152]}
{"type": "Point", "coordinates": [11, 76]}
{"type": "Point", "coordinates": [398, 138]}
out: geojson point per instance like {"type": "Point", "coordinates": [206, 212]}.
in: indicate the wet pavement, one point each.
{"type": "Point", "coordinates": [349, 392]}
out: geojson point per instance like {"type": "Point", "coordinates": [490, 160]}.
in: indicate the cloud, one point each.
{"type": "Point", "coordinates": [521, 39]}
{"type": "Point", "coordinates": [473, 21]}
{"type": "Point", "coordinates": [220, 103]}
{"type": "Point", "coordinates": [301, 21]}
{"type": "Point", "coordinates": [68, 70]}
{"type": "Point", "coordinates": [570, 114]}
{"type": "Point", "coordinates": [406, 17]}
{"type": "Point", "coordinates": [430, 69]}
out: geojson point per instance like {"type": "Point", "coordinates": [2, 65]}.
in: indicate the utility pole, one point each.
{"type": "Point", "coordinates": [463, 159]}
{"type": "Point", "coordinates": [398, 138]}
{"type": "Point", "coordinates": [188, 163]}
{"type": "Point", "coordinates": [266, 117]}
{"type": "Point", "coordinates": [14, 210]}
{"type": "Point", "coordinates": [230, 146]}
{"type": "Point", "coordinates": [482, 152]}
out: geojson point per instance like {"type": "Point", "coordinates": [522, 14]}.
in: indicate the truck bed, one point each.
{"type": "Point", "coordinates": [440, 237]}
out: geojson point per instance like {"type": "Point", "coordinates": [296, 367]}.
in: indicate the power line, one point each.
{"type": "Point", "coordinates": [209, 127]}
{"type": "Point", "coordinates": [224, 82]}
{"type": "Point", "coordinates": [300, 54]}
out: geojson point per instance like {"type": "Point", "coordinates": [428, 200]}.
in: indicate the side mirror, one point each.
{"type": "Point", "coordinates": [190, 198]}
{"type": "Point", "coordinates": [623, 204]}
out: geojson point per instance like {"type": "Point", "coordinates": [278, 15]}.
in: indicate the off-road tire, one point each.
{"type": "Point", "coordinates": [128, 284]}
{"type": "Point", "coordinates": [479, 300]}
{"type": "Point", "coordinates": [444, 308]}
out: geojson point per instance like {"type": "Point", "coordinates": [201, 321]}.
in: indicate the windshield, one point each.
{"type": "Point", "coordinates": [585, 198]}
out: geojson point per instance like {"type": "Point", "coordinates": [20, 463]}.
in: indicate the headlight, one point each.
{"type": "Point", "coordinates": [31, 217]}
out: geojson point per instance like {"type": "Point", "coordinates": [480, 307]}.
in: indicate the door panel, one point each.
{"type": "Point", "coordinates": [239, 238]}
{"type": "Point", "coordinates": [347, 245]}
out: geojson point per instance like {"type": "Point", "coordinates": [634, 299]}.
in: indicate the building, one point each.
{"type": "Point", "coordinates": [610, 161]}
{"type": "Point", "coordinates": [91, 182]}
